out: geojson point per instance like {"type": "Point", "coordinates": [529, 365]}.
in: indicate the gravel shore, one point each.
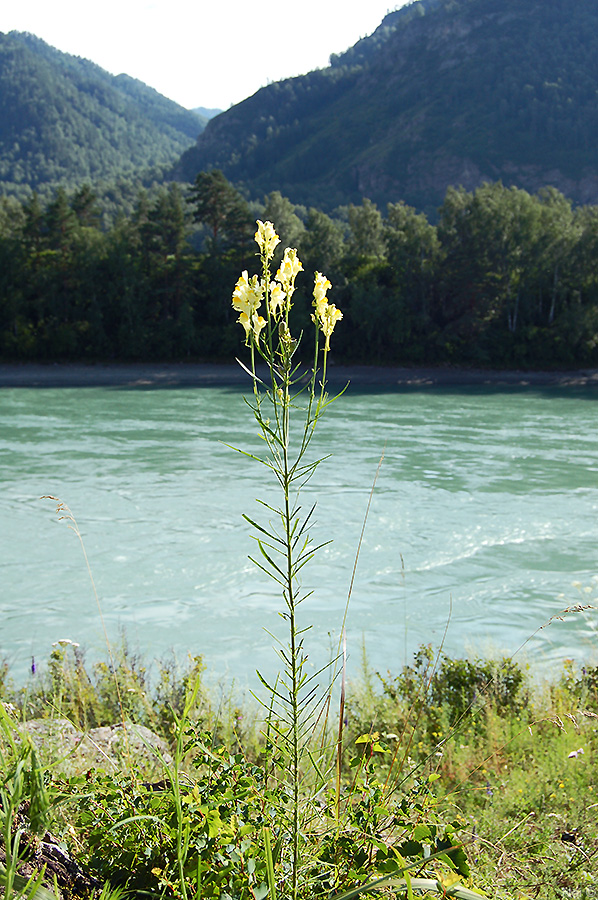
{"type": "Point", "coordinates": [208, 375]}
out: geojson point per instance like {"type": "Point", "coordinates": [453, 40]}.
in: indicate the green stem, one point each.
{"type": "Point", "coordinates": [295, 663]}
{"type": "Point", "coordinates": [179, 810]}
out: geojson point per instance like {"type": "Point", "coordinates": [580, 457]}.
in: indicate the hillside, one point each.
{"type": "Point", "coordinates": [205, 113]}
{"type": "Point", "coordinates": [64, 120]}
{"type": "Point", "coordinates": [445, 92]}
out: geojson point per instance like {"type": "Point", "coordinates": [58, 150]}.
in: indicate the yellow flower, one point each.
{"type": "Point", "coordinates": [288, 270]}
{"type": "Point", "coordinates": [326, 315]}
{"type": "Point", "coordinates": [258, 323]}
{"type": "Point", "coordinates": [266, 238]}
{"type": "Point", "coordinates": [321, 286]}
{"type": "Point", "coordinates": [247, 295]}
{"type": "Point", "coordinates": [246, 323]}
{"type": "Point", "coordinates": [320, 299]}
{"type": "Point", "coordinates": [252, 324]}
{"type": "Point", "coordinates": [332, 315]}
{"type": "Point", "coordinates": [277, 298]}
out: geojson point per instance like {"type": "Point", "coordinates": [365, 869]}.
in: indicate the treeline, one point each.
{"type": "Point", "coordinates": [503, 278]}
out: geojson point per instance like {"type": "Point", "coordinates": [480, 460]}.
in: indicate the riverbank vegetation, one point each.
{"type": "Point", "coordinates": [502, 278]}
{"type": "Point", "coordinates": [321, 790]}
{"type": "Point", "coordinates": [505, 762]}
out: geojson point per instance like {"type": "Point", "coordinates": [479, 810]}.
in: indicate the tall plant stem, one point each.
{"type": "Point", "coordinates": [294, 661]}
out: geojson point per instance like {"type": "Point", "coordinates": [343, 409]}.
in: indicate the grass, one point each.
{"type": "Point", "coordinates": [527, 808]}
{"type": "Point", "coordinates": [506, 767]}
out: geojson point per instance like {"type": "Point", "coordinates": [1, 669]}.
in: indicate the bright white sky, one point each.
{"type": "Point", "coordinates": [210, 54]}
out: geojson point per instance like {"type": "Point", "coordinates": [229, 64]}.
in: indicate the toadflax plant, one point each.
{"type": "Point", "coordinates": [377, 841]}
{"type": "Point", "coordinates": [264, 302]}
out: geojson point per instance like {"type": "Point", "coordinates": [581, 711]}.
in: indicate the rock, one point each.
{"type": "Point", "coordinates": [107, 747]}
{"type": "Point", "coordinates": [49, 856]}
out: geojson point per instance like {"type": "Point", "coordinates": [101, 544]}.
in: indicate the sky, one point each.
{"type": "Point", "coordinates": [198, 53]}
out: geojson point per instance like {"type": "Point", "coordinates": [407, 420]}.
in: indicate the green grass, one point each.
{"type": "Point", "coordinates": [530, 808]}
{"type": "Point", "coordinates": [526, 811]}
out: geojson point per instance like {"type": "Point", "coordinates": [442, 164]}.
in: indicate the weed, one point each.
{"type": "Point", "coordinates": [325, 842]}
{"type": "Point", "coordinates": [24, 809]}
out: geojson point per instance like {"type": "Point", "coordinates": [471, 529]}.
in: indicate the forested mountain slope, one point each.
{"type": "Point", "coordinates": [445, 92]}
{"type": "Point", "coordinates": [64, 120]}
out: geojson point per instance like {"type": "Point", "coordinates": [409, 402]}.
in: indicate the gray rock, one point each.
{"type": "Point", "coordinates": [110, 746]}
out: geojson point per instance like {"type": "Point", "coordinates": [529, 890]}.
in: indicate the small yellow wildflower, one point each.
{"type": "Point", "coordinates": [277, 299]}
{"type": "Point", "coordinates": [289, 269]}
{"type": "Point", "coordinates": [330, 316]}
{"type": "Point", "coordinates": [326, 314]}
{"type": "Point", "coordinates": [246, 323]}
{"type": "Point", "coordinates": [321, 286]}
{"type": "Point", "coordinates": [247, 295]}
{"type": "Point", "coordinates": [266, 238]}
{"type": "Point", "coordinates": [252, 324]}
{"type": "Point", "coordinates": [258, 323]}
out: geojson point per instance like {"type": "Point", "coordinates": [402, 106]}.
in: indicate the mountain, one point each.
{"type": "Point", "coordinates": [64, 120]}
{"type": "Point", "coordinates": [444, 92]}
{"type": "Point", "coordinates": [206, 113]}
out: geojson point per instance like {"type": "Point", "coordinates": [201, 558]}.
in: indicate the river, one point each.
{"type": "Point", "coordinates": [483, 525]}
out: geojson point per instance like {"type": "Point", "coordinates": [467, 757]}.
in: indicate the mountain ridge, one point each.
{"type": "Point", "coordinates": [442, 93]}
{"type": "Point", "coordinates": [446, 92]}
{"type": "Point", "coordinates": [64, 119]}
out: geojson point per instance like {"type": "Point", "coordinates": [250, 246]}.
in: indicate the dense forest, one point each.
{"type": "Point", "coordinates": [502, 278]}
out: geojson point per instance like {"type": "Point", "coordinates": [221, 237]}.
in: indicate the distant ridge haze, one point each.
{"type": "Point", "coordinates": [206, 113]}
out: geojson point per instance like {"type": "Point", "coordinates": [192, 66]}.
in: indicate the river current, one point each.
{"type": "Point", "coordinates": [483, 525]}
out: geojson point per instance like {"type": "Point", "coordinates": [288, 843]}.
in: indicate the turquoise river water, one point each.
{"type": "Point", "coordinates": [483, 525]}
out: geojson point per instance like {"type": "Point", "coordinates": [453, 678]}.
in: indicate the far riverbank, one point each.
{"type": "Point", "coordinates": [156, 375]}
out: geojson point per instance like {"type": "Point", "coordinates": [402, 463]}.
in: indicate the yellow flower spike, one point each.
{"type": "Point", "coordinates": [246, 323]}
{"type": "Point", "coordinates": [289, 269]}
{"type": "Point", "coordinates": [326, 315]}
{"type": "Point", "coordinates": [266, 238]}
{"type": "Point", "coordinates": [321, 287]}
{"type": "Point", "coordinates": [247, 295]}
{"type": "Point", "coordinates": [331, 316]}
